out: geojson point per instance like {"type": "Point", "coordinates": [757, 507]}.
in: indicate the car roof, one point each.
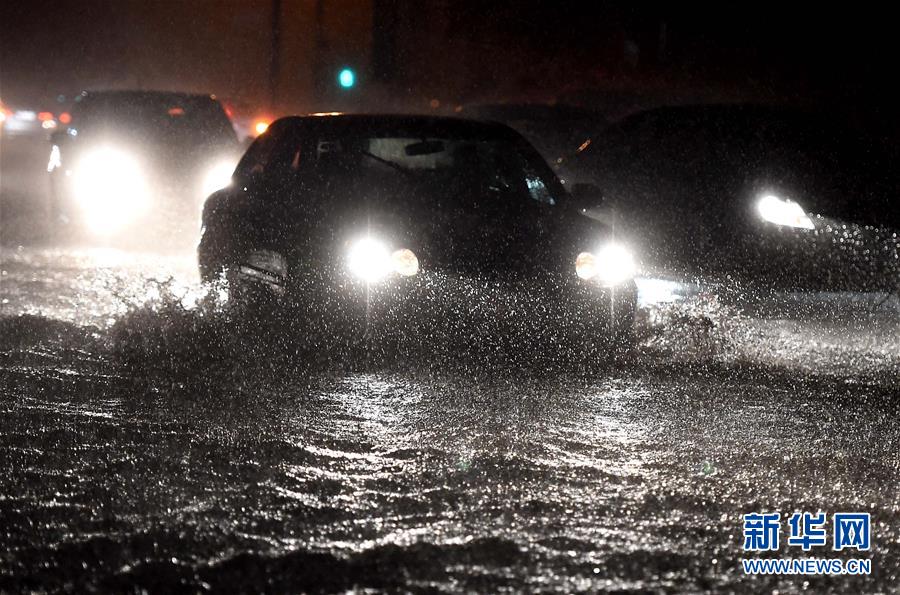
{"type": "Point", "coordinates": [395, 125]}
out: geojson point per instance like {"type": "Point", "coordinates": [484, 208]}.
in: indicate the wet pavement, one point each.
{"type": "Point", "coordinates": [140, 453]}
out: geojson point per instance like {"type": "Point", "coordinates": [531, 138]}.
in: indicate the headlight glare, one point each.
{"type": "Point", "coordinates": [110, 189]}
{"type": "Point", "coordinates": [217, 177]}
{"type": "Point", "coordinates": [369, 260]}
{"type": "Point", "coordinates": [610, 265]}
{"type": "Point", "coordinates": [784, 212]}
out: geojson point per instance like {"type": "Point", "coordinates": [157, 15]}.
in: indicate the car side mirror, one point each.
{"type": "Point", "coordinates": [583, 197]}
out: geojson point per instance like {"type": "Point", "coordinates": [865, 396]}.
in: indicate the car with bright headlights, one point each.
{"type": "Point", "coordinates": [768, 198]}
{"type": "Point", "coordinates": [133, 161]}
{"type": "Point", "coordinates": [410, 224]}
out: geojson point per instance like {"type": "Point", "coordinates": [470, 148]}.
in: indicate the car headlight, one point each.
{"type": "Point", "coordinates": [371, 260]}
{"type": "Point", "coordinates": [217, 177]}
{"type": "Point", "coordinates": [782, 211]}
{"type": "Point", "coordinates": [610, 265]}
{"type": "Point", "coordinates": [405, 262]}
{"type": "Point", "coordinates": [110, 189]}
{"type": "Point", "coordinates": [586, 266]}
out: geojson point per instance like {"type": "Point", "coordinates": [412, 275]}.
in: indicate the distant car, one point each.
{"type": "Point", "coordinates": [767, 197]}
{"type": "Point", "coordinates": [414, 219]}
{"type": "Point", "coordinates": [131, 158]}
{"type": "Point", "coordinates": [556, 131]}
{"type": "Point", "coordinates": [26, 121]}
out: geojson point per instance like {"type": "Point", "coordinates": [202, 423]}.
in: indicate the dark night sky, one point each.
{"type": "Point", "coordinates": [846, 54]}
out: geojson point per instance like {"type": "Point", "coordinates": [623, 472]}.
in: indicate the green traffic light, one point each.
{"type": "Point", "coordinates": [346, 78]}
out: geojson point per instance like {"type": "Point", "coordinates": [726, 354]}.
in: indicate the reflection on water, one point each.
{"type": "Point", "coordinates": [91, 286]}
{"type": "Point", "coordinates": [345, 465]}
{"type": "Point", "coordinates": [189, 463]}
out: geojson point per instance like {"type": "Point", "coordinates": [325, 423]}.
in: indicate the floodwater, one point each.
{"type": "Point", "coordinates": [138, 456]}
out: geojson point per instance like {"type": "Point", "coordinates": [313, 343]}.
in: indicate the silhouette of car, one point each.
{"type": "Point", "coordinates": [415, 222]}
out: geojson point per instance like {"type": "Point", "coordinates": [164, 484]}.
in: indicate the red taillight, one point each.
{"type": "Point", "coordinates": [45, 116]}
{"type": "Point", "coordinates": [65, 118]}
{"type": "Point", "coordinates": [176, 111]}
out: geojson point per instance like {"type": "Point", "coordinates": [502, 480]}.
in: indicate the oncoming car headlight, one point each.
{"type": "Point", "coordinates": [217, 177]}
{"type": "Point", "coordinates": [110, 189]}
{"type": "Point", "coordinates": [611, 264]}
{"type": "Point", "coordinates": [405, 262]}
{"type": "Point", "coordinates": [784, 212]}
{"type": "Point", "coordinates": [371, 260]}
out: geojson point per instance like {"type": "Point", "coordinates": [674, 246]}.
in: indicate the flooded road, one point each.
{"type": "Point", "coordinates": [148, 443]}
{"type": "Point", "coordinates": [157, 464]}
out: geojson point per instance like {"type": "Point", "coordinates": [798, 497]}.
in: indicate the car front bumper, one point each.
{"type": "Point", "coordinates": [441, 306]}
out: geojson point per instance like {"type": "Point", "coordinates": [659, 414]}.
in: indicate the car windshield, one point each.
{"type": "Point", "coordinates": [428, 165]}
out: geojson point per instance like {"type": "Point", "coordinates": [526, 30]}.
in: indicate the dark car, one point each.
{"type": "Point", "coordinates": [129, 158]}
{"type": "Point", "coordinates": [772, 198]}
{"type": "Point", "coordinates": [414, 224]}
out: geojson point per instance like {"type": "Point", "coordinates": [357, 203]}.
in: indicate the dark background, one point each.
{"type": "Point", "coordinates": [284, 54]}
